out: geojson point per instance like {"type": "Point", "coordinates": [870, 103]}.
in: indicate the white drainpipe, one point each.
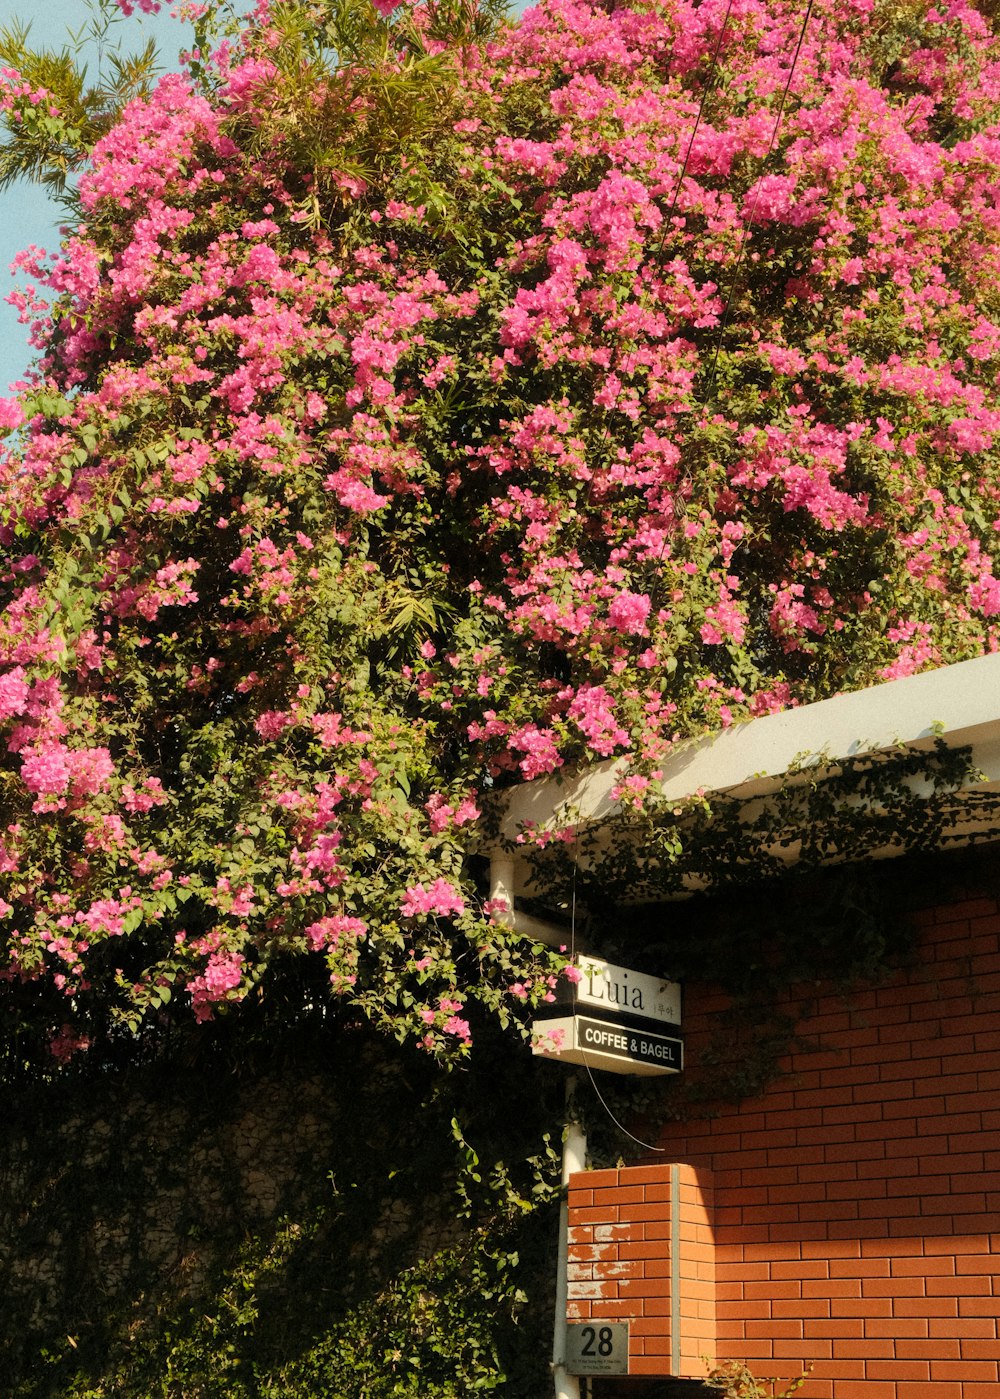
{"type": "Point", "coordinates": [502, 886]}
{"type": "Point", "coordinates": [574, 1155]}
{"type": "Point", "coordinates": [502, 878]}
{"type": "Point", "coordinates": [574, 1158]}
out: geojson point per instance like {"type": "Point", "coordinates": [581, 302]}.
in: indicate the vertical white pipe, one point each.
{"type": "Point", "coordinates": [574, 1158]}
{"type": "Point", "coordinates": [502, 886]}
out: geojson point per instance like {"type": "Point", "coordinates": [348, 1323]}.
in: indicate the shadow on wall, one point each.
{"type": "Point", "coordinates": [237, 1211]}
{"type": "Point", "coordinates": [856, 1197]}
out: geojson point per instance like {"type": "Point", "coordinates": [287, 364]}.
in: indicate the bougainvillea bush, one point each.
{"type": "Point", "coordinates": [420, 411]}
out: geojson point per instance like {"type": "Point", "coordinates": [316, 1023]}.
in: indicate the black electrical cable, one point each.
{"type": "Point", "coordinates": [668, 217]}
{"type": "Point", "coordinates": [753, 208]}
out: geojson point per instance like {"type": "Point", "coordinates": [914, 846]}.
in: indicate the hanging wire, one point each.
{"type": "Point", "coordinates": [753, 207]}
{"type": "Point", "coordinates": [572, 915]}
{"type": "Point", "coordinates": [707, 90]}
{"type": "Point", "coordinates": [686, 479]}
{"type": "Point", "coordinates": [710, 82]}
{"type": "Point", "coordinates": [647, 1146]}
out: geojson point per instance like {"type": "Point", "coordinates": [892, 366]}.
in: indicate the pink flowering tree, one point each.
{"type": "Point", "coordinates": [415, 415]}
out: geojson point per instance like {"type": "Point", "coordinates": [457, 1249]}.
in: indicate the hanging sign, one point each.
{"type": "Point", "coordinates": [622, 1047]}
{"type": "Point", "coordinates": [612, 1018]}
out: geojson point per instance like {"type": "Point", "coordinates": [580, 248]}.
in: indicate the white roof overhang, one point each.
{"type": "Point", "coordinates": [958, 705]}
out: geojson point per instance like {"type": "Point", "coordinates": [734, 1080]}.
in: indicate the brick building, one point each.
{"type": "Point", "coordinates": [848, 1217]}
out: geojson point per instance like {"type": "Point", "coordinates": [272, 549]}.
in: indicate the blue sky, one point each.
{"type": "Point", "coordinates": [27, 215]}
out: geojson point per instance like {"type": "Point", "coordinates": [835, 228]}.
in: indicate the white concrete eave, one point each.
{"type": "Point", "coordinates": [959, 704]}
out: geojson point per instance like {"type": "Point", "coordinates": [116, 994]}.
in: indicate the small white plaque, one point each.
{"type": "Point", "coordinates": [597, 1348]}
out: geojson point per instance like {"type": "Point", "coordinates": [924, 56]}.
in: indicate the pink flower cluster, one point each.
{"type": "Point", "coordinates": [52, 768]}
{"type": "Point", "coordinates": [221, 978]}
{"type": "Point", "coordinates": [440, 897]}
{"type": "Point", "coordinates": [322, 525]}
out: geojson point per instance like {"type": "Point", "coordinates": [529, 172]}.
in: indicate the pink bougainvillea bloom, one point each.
{"type": "Point", "coordinates": [440, 897]}
{"type": "Point", "coordinates": [321, 530]}
{"type": "Point", "coordinates": [147, 7]}
{"type": "Point", "coordinates": [454, 1025]}
{"type": "Point", "coordinates": [327, 932]}
{"type": "Point", "coordinates": [628, 613]}
{"type": "Point", "coordinates": [222, 976]}
{"type": "Point", "coordinates": [47, 770]}
{"type": "Point", "coordinates": [14, 693]}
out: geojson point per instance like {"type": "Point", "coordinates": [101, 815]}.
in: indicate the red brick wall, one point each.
{"type": "Point", "coordinates": [857, 1203]}
{"type": "Point", "coordinates": [640, 1250]}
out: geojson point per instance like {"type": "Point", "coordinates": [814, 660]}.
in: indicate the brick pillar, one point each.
{"type": "Point", "coordinates": [641, 1250]}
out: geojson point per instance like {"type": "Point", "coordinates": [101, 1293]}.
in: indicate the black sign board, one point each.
{"type": "Point", "coordinates": [627, 1041]}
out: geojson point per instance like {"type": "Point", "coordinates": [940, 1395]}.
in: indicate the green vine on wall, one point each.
{"type": "Point", "coordinates": [824, 812]}
{"type": "Point", "coordinates": [768, 897]}
{"type": "Point", "coordinates": [306, 1238]}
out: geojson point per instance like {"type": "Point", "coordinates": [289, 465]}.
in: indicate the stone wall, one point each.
{"type": "Point", "coordinates": [132, 1195]}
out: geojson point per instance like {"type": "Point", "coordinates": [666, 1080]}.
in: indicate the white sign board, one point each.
{"type": "Point", "coordinates": [597, 1348]}
{"type": "Point", "coordinates": [607, 987]}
